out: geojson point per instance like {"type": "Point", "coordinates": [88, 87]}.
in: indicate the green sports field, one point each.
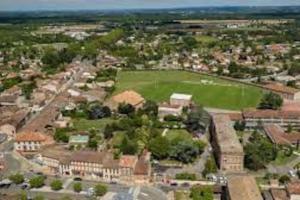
{"type": "Point", "coordinates": [207, 91]}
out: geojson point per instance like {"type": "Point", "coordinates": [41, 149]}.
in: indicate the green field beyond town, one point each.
{"type": "Point", "coordinates": [206, 90]}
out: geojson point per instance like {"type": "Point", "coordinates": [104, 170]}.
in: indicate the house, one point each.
{"type": "Point", "coordinates": [180, 99]}
{"type": "Point", "coordinates": [78, 140]}
{"type": "Point", "coordinates": [142, 169]}
{"type": "Point", "coordinates": [128, 97]}
{"type": "Point", "coordinates": [254, 118]}
{"type": "Point", "coordinates": [227, 147]}
{"type": "Point", "coordinates": [243, 187]}
{"type": "Point", "coordinates": [166, 109]}
{"type": "Point", "coordinates": [285, 92]}
{"type": "Point", "coordinates": [293, 190]}
{"type": "Point", "coordinates": [31, 141]}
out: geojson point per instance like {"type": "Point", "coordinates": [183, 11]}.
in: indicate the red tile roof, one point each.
{"type": "Point", "coordinates": [31, 136]}
{"type": "Point", "coordinates": [130, 97]}
{"type": "Point", "coordinates": [281, 88]}
{"type": "Point", "coordinates": [276, 134]}
{"type": "Point", "coordinates": [294, 187]}
{"type": "Point", "coordinates": [128, 161]}
{"type": "Point", "coordinates": [279, 114]}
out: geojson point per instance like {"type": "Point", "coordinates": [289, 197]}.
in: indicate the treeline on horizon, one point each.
{"type": "Point", "coordinates": [150, 15]}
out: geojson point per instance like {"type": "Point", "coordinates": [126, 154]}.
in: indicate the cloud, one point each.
{"type": "Point", "coordinates": [119, 4]}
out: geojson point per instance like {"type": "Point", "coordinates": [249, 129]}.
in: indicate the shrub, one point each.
{"type": "Point", "coordinates": [56, 185]}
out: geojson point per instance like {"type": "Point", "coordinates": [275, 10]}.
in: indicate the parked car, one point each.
{"type": "Point", "coordinates": [185, 184]}
{"type": "Point", "coordinates": [25, 186]}
{"type": "Point", "coordinates": [77, 179]}
{"type": "Point", "coordinates": [173, 184]}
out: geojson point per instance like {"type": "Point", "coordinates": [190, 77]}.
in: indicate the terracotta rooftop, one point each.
{"type": "Point", "coordinates": [281, 88]}
{"type": "Point", "coordinates": [276, 134]}
{"type": "Point", "coordinates": [276, 114]}
{"type": "Point", "coordinates": [243, 187]}
{"type": "Point", "coordinates": [294, 187]}
{"type": "Point", "coordinates": [225, 134]}
{"type": "Point", "coordinates": [30, 136]}
{"type": "Point", "coordinates": [142, 166]}
{"type": "Point", "coordinates": [279, 194]}
{"type": "Point", "coordinates": [130, 97]}
{"type": "Point", "coordinates": [128, 161]}
{"type": "Point", "coordinates": [88, 156]}
{"type": "Point", "coordinates": [57, 153]}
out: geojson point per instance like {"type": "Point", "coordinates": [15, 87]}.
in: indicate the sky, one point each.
{"type": "Point", "coordinates": [26, 5]}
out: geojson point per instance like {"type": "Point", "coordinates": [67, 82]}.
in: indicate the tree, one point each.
{"type": "Point", "coordinates": [99, 112]}
{"type": "Point", "coordinates": [201, 193]}
{"type": "Point", "coordinates": [184, 151]}
{"type": "Point", "coordinates": [210, 166]}
{"type": "Point", "coordinates": [259, 152]}
{"type": "Point", "coordinates": [159, 147]}
{"type": "Point", "coordinates": [239, 125]}
{"type": "Point", "coordinates": [128, 147]}
{"type": "Point", "coordinates": [108, 131]}
{"type": "Point", "coordinates": [61, 136]}
{"type": "Point", "coordinates": [284, 179]}
{"type": "Point", "coordinates": [150, 108]}
{"type": "Point", "coordinates": [100, 190]}
{"type": "Point", "coordinates": [77, 187]}
{"type": "Point", "coordinates": [126, 109]}
{"type": "Point", "coordinates": [271, 101]}
{"type": "Point", "coordinates": [37, 182]}
{"type": "Point", "coordinates": [56, 185]}
{"type": "Point", "coordinates": [93, 144]}
{"type": "Point", "coordinates": [196, 120]}
{"type": "Point", "coordinates": [17, 178]}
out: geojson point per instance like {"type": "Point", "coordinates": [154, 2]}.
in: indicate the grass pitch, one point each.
{"type": "Point", "coordinates": [206, 90]}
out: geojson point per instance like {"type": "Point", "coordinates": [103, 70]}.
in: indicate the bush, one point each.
{"type": "Point", "coordinates": [210, 166]}
{"type": "Point", "coordinates": [77, 187]}
{"type": "Point", "coordinates": [284, 179]}
{"type": "Point", "coordinates": [186, 176]}
{"type": "Point", "coordinates": [172, 118]}
{"type": "Point", "coordinates": [37, 182]}
{"type": "Point", "coordinates": [100, 190]}
{"type": "Point", "coordinates": [56, 185]}
{"type": "Point", "coordinates": [17, 178]}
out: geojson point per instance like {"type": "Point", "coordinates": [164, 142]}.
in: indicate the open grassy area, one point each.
{"type": "Point", "coordinates": [282, 159]}
{"type": "Point", "coordinates": [84, 124]}
{"type": "Point", "coordinates": [181, 195]}
{"type": "Point", "coordinates": [179, 133]}
{"type": "Point", "coordinates": [204, 39]}
{"type": "Point", "coordinates": [207, 91]}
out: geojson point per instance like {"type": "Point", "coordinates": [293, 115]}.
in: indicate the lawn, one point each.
{"type": "Point", "coordinates": [179, 133]}
{"type": "Point", "coordinates": [181, 195]}
{"type": "Point", "coordinates": [84, 124]}
{"type": "Point", "coordinates": [282, 159]}
{"type": "Point", "coordinates": [205, 39]}
{"type": "Point", "coordinates": [206, 90]}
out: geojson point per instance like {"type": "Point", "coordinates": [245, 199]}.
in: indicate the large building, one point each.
{"type": "Point", "coordinates": [284, 91]}
{"type": "Point", "coordinates": [97, 165]}
{"type": "Point", "coordinates": [243, 187]}
{"type": "Point", "coordinates": [257, 118]}
{"type": "Point", "coordinates": [227, 148]}
{"type": "Point", "coordinates": [31, 141]}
